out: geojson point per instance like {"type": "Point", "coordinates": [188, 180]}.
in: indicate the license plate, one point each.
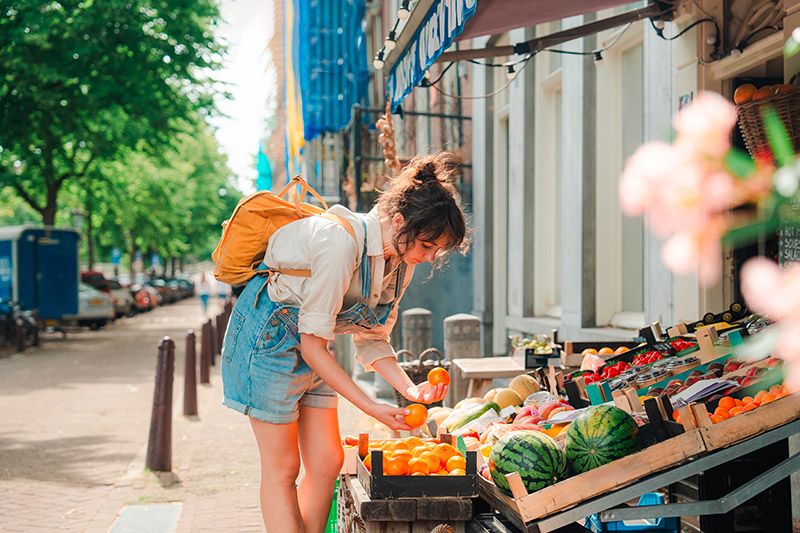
{"type": "Point", "coordinates": [49, 323]}
{"type": "Point", "coordinates": [96, 302]}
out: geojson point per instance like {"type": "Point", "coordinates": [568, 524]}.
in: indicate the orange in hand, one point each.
{"type": "Point", "coordinates": [417, 416]}
{"type": "Point", "coordinates": [438, 375]}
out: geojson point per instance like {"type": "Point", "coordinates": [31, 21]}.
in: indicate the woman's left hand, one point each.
{"type": "Point", "coordinates": [426, 393]}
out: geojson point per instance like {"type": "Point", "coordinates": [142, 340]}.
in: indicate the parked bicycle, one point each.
{"type": "Point", "coordinates": [15, 322]}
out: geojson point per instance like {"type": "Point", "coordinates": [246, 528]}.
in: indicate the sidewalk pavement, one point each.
{"type": "Point", "coordinates": [215, 461]}
{"type": "Point", "coordinates": [73, 442]}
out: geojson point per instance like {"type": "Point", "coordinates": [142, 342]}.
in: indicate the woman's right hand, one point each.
{"type": "Point", "coordinates": [390, 415]}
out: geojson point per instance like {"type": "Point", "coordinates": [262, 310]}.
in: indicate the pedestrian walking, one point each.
{"type": "Point", "coordinates": [276, 367]}
{"type": "Point", "coordinates": [204, 291]}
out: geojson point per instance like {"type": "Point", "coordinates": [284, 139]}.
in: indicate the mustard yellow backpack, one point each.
{"type": "Point", "coordinates": [256, 217]}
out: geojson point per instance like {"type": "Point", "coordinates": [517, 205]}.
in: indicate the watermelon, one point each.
{"type": "Point", "coordinates": [599, 435]}
{"type": "Point", "coordinates": [537, 457]}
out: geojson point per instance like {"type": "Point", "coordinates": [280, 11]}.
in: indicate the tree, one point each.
{"type": "Point", "coordinates": [81, 81]}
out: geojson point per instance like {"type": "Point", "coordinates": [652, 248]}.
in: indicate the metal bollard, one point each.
{"type": "Point", "coordinates": [159, 448]}
{"type": "Point", "coordinates": [190, 377]}
{"type": "Point", "coordinates": [205, 353]}
{"type": "Point", "coordinates": [417, 330]}
{"type": "Point", "coordinates": [462, 339]}
{"type": "Point", "coordinates": [213, 344]}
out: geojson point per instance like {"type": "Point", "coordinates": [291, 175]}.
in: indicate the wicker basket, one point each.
{"type": "Point", "coordinates": [751, 123]}
{"type": "Point", "coordinates": [417, 369]}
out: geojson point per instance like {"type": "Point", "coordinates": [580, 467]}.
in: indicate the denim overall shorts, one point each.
{"type": "Point", "coordinates": [263, 372]}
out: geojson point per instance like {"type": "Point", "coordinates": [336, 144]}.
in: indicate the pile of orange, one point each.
{"type": "Point", "coordinates": [728, 407]}
{"type": "Point", "coordinates": [748, 92]}
{"type": "Point", "coordinates": [413, 456]}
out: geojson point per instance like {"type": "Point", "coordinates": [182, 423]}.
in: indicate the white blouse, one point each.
{"type": "Point", "coordinates": [328, 250]}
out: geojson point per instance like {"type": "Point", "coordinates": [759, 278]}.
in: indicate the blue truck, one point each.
{"type": "Point", "coordinates": [39, 270]}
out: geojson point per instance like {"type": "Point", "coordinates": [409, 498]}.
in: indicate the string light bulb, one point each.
{"type": "Point", "coordinates": [378, 61]}
{"type": "Point", "coordinates": [510, 74]}
{"type": "Point", "coordinates": [736, 53]}
{"type": "Point", "coordinates": [598, 58]}
{"type": "Point", "coordinates": [390, 41]}
{"type": "Point", "coordinates": [659, 24]}
{"type": "Point", "coordinates": [403, 12]}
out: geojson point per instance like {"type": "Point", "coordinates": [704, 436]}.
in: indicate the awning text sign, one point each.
{"type": "Point", "coordinates": [443, 23]}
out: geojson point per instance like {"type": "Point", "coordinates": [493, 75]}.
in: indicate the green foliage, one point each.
{"type": "Point", "coordinates": [739, 164]}
{"type": "Point", "coordinates": [83, 81]}
{"type": "Point", "coordinates": [779, 140]}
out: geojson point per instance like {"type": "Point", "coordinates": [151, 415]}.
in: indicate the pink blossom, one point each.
{"type": "Point", "coordinates": [697, 248]}
{"type": "Point", "coordinates": [774, 292]}
{"type": "Point", "coordinates": [706, 124]}
{"type": "Point", "coordinates": [650, 165]}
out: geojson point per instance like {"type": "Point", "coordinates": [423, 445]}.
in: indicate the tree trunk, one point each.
{"type": "Point", "coordinates": [89, 226]}
{"type": "Point", "coordinates": [51, 207]}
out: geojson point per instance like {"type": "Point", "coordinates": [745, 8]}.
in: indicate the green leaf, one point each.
{"type": "Point", "coordinates": [778, 138]}
{"type": "Point", "coordinates": [750, 233]}
{"type": "Point", "coordinates": [739, 163]}
{"type": "Point", "coordinates": [791, 48]}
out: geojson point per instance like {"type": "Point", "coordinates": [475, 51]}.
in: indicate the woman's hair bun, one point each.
{"type": "Point", "coordinates": [427, 173]}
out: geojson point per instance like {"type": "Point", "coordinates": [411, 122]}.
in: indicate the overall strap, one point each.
{"type": "Point", "coordinates": [401, 276]}
{"type": "Point", "coordinates": [365, 266]}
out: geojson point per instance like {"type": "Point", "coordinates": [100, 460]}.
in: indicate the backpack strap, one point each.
{"type": "Point", "coordinates": [304, 272]}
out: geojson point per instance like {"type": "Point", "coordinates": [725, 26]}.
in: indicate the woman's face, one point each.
{"type": "Point", "coordinates": [424, 250]}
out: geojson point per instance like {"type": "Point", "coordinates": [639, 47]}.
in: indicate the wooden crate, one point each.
{"type": "Point", "coordinates": [524, 507]}
{"type": "Point", "coordinates": [379, 486]}
{"type": "Point", "coordinates": [358, 513]}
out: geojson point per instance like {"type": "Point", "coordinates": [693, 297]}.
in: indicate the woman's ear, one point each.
{"type": "Point", "coordinates": [397, 221]}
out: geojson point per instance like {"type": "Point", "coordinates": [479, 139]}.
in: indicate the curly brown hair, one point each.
{"type": "Point", "coordinates": [424, 194]}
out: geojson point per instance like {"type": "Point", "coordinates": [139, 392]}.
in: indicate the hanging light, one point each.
{"type": "Point", "coordinates": [378, 61]}
{"type": "Point", "coordinates": [510, 74]}
{"type": "Point", "coordinates": [390, 41]}
{"type": "Point", "coordinates": [598, 58]}
{"type": "Point", "coordinates": [403, 12]}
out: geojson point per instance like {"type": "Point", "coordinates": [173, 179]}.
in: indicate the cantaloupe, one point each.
{"type": "Point", "coordinates": [506, 397]}
{"type": "Point", "coordinates": [524, 385]}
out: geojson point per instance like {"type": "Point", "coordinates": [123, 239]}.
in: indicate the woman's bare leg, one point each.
{"type": "Point", "coordinates": [280, 465]}
{"type": "Point", "coordinates": [321, 450]}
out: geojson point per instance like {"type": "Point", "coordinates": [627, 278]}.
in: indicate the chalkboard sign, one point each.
{"type": "Point", "coordinates": [789, 238]}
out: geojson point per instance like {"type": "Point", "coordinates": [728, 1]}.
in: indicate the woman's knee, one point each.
{"type": "Point", "coordinates": [327, 465]}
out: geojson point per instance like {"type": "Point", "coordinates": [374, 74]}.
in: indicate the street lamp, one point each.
{"type": "Point", "coordinates": [78, 218]}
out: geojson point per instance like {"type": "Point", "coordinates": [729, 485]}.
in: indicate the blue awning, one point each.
{"type": "Point", "coordinates": [332, 63]}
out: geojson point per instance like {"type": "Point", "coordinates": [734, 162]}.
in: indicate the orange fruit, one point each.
{"type": "Point", "coordinates": [444, 451]}
{"type": "Point", "coordinates": [782, 88]}
{"type": "Point", "coordinates": [417, 416]}
{"type": "Point", "coordinates": [775, 388]}
{"type": "Point", "coordinates": [434, 463]}
{"type": "Point", "coordinates": [456, 462]}
{"type": "Point", "coordinates": [716, 419]}
{"type": "Point", "coordinates": [589, 350]}
{"type": "Point", "coordinates": [413, 442]}
{"type": "Point", "coordinates": [605, 350]}
{"type": "Point", "coordinates": [418, 467]}
{"type": "Point", "coordinates": [749, 407]}
{"type": "Point", "coordinates": [748, 399]}
{"type": "Point", "coordinates": [399, 445]}
{"type": "Point", "coordinates": [770, 397]}
{"type": "Point", "coordinates": [403, 454]}
{"type": "Point", "coordinates": [368, 462]}
{"type": "Point", "coordinates": [722, 413]}
{"type": "Point", "coordinates": [438, 375]}
{"type": "Point", "coordinates": [739, 403]}
{"type": "Point", "coordinates": [744, 93]}
{"type": "Point", "coordinates": [763, 92]}
{"type": "Point", "coordinates": [621, 349]}
{"type": "Point", "coordinates": [760, 394]}
{"type": "Point", "coordinates": [457, 472]}
{"type": "Point", "coordinates": [727, 402]}
{"type": "Point", "coordinates": [395, 467]}
{"type": "Point", "coordinates": [736, 411]}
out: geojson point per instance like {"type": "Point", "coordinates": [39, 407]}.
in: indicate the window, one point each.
{"type": "Point", "coordinates": [620, 239]}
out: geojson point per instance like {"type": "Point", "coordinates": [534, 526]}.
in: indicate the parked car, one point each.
{"type": "Point", "coordinates": [187, 287]}
{"type": "Point", "coordinates": [95, 308]}
{"type": "Point", "coordinates": [97, 280]}
{"type": "Point", "coordinates": [142, 300]}
{"type": "Point", "coordinates": [123, 301]}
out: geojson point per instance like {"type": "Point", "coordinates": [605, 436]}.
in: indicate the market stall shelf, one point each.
{"type": "Point", "coordinates": [701, 446]}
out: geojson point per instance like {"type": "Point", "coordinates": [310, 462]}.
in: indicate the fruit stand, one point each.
{"type": "Point", "coordinates": [556, 446]}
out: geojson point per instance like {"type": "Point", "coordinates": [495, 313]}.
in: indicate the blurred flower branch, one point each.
{"type": "Point", "coordinates": [699, 194]}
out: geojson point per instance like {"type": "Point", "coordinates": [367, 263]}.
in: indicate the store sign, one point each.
{"type": "Point", "coordinates": [443, 23]}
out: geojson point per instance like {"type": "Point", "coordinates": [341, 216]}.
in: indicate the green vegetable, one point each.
{"type": "Point", "coordinates": [473, 414]}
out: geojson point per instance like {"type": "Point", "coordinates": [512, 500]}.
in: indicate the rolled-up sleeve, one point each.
{"type": "Point", "coordinates": [374, 344]}
{"type": "Point", "coordinates": [334, 255]}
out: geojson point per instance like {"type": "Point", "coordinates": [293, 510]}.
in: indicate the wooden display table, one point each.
{"type": "Point", "coordinates": [481, 371]}
{"type": "Point", "coordinates": [357, 513]}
